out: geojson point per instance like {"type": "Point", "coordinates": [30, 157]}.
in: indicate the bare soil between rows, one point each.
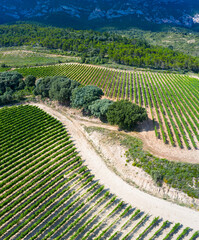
{"type": "Point", "coordinates": [145, 132]}
{"type": "Point", "coordinates": [75, 123]}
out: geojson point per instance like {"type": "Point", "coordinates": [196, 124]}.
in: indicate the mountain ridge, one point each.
{"type": "Point", "coordinates": [178, 12]}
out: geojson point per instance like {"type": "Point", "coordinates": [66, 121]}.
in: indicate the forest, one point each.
{"type": "Point", "coordinates": [98, 48]}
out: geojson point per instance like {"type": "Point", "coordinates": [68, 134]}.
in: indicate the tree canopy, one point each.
{"type": "Point", "coordinates": [61, 89]}
{"type": "Point", "coordinates": [11, 81]}
{"type": "Point", "coordinates": [56, 88]}
{"type": "Point", "coordinates": [43, 86]}
{"type": "Point", "coordinates": [84, 96]}
{"type": "Point", "coordinates": [126, 114]}
{"type": "Point", "coordinates": [30, 81]}
{"type": "Point", "coordinates": [6, 98]}
{"type": "Point", "coordinates": [100, 107]}
{"type": "Point", "coordinates": [95, 47]}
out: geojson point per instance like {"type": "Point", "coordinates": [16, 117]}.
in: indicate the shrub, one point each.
{"type": "Point", "coordinates": [157, 176]}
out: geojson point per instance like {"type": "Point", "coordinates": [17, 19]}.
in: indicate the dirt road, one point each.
{"type": "Point", "coordinates": [130, 194]}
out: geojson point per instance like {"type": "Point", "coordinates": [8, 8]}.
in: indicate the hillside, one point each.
{"type": "Point", "coordinates": [87, 13]}
{"type": "Point", "coordinates": [173, 114]}
{"type": "Point", "coordinates": [99, 120]}
{"type": "Point", "coordinates": [95, 47]}
{"type": "Point", "coordinates": [48, 192]}
{"type": "Point", "coordinates": [176, 38]}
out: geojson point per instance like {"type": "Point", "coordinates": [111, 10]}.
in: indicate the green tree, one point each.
{"type": "Point", "coordinates": [125, 114]}
{"type": "Point", "coordinates": [30, 81]}
{"type": "Point", "coordinates": [61, 89]}
{"type": "Point", "coordinates": [84, 96]}
{"type": "Point", "coordinates": [43, 86]}
{"type": "Point", "coordinates": [99, 108]}
{"type": "Point", "coordinates": [6, 98]}
{"type": "Point", "coordinates": [11, 80]}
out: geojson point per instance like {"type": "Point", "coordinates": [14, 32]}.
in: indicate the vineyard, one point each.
{"type": "Point", "coordinates": [47, 192]}
{"type": "Point", "coordinates": [3, 69]}
{"type": "Point", "coordinates": [171, 99]}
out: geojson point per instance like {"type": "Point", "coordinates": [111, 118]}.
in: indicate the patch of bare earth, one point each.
{"type": "Point", "coordinates": [113, 153]}
{"type": "Point", "coordinates": [146, 133]}
{"type": "Point", "coordinates": [194, 76]}
{"type": "Point", "coordinates": [159, 149]}
{"type": "Point", "coordinates": [106, 160]}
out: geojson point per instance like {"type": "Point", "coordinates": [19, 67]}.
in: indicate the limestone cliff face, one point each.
{"type": "Point", "coordinates": [179, 12]}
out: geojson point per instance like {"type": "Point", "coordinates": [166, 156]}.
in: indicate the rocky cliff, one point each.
{"type": "Point", "coordinates": [178, 12]}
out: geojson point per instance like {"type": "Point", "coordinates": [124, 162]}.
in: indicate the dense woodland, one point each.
{"type": "Point", "coordinates": [95, 47]}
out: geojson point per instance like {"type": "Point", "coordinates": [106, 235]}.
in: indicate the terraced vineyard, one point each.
{"type": "Point", "coordinates": [171, 99]}
{"type": "Point", "coordinates": [47, 192]}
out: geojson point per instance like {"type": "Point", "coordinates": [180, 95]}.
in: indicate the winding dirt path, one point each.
{"type": "Point", "coordinates": [130, 194]}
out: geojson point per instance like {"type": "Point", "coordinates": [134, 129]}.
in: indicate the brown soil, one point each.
{"type": "Point", "coordinates": [75, 123]}
{"type": "Point", "coordinates": [146, 133]}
